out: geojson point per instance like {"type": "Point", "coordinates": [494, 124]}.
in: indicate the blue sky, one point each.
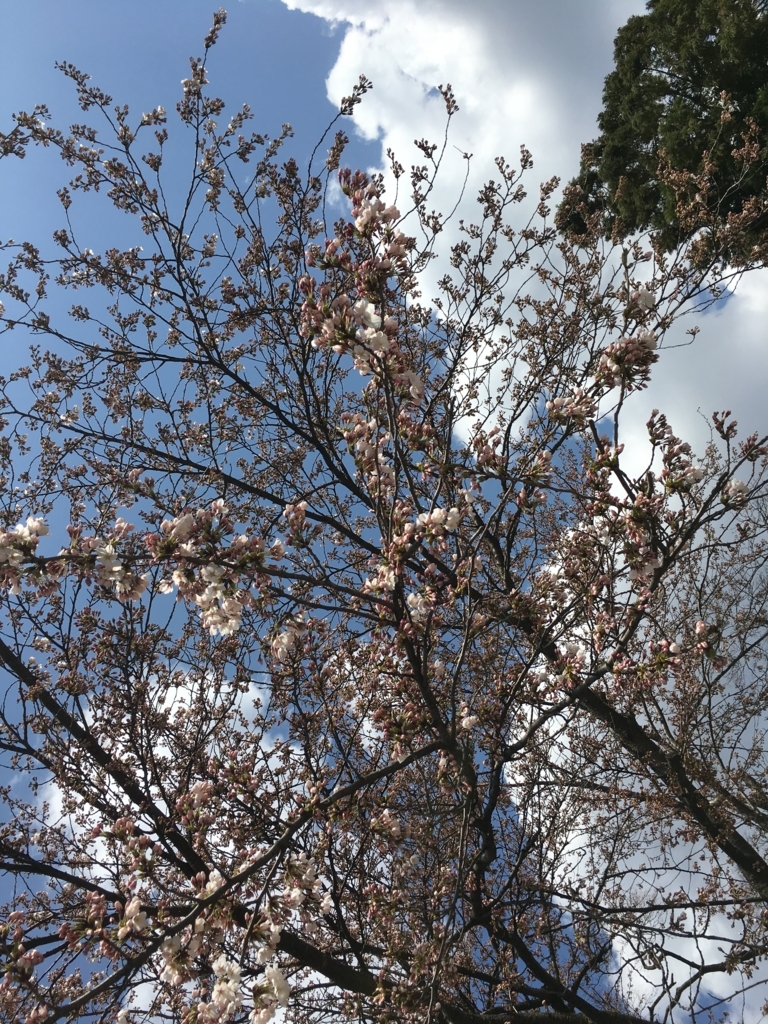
{"type": "Point", "coordinates": [271, 57]}
{"type": "Point", "coordinates": [524, 71]}
{"type": "Point", "coordinates": [137, 50]}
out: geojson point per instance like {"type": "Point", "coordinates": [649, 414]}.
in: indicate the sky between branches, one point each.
{"type": "Point", "coordinates": [524, 72]}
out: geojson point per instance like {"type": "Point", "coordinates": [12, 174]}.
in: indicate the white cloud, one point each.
{"type": "Point", "coordinates": [532, 73]}
{"type": "Point", "coordinates": [725, 367]}
{"type": "Point", "coordinates": [527, 73]}
{"type": "Point", "coordinates": [523, 74]}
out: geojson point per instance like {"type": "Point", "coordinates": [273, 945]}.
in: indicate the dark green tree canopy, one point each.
{"type": "Point", "coordinates": [689, 92]}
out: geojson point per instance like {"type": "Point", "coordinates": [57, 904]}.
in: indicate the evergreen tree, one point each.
{"type": "Point", "coordinates": [689, 91]}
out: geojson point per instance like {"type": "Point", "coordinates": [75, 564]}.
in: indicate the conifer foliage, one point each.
{"type": "Point", "coordinates": [684, 113]}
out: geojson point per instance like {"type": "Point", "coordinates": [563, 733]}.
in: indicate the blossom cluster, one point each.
{"type": "Point", "coordinates": [368, 443]}
{"type": "Point", "coordinates": [357, 329]}
{"type": "Point", "coordinates": [16, 545]}
{"type": "Point", "coordinates": [134, 919]}
{"type": "Point", "coordinates": [678, 472]}
{"type": "Point", "coordinates": [643, 298]}
{"type": "Point", "coordinates": [221, 611]}
{"type": "Point", "coordinates": [577, 406]}
{"type": "Point", "coordinates": [485, 447]}
{"type": "Point", "coordinates": [195, 538]}
{"type": "Point", "coordinates": [389, 825]}
{"type": "Point", "coordinates": [205, 570]}
{"type": "Point", "coordinates": [438, 520]}
{"type": "Point", "coordinates": [735, 493]}
{"type": "Point", "coordinates": [629, 522]}
{"type": "Point", "coordinates": [353, 326]}
{"type": "Point", "coordinates": [467, 721]}
{"type": "Point", "coordinates": [419, 606]}
{"type": "Point", "coordinates": [628, 361]}
{"type": "Point", "coordinates": [369, 211]}
{"type": "Point", "coordinates": [284, 643]}
{"type": "Point", "coordinates": [432, 526]}
{"type": "Point", "coordinates": [225, 999]}
{"type": "Point", "coordinates": [384, 581]}
{"type": "Point", "coordinates": [271, 994]}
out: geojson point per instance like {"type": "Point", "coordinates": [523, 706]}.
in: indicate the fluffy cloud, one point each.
{"type": "Point", "coordinates": [532, 73]}
{"type": "Point", "coordinates": [725, 367]}
{"type": "Point", "coordinates": [522, 73]}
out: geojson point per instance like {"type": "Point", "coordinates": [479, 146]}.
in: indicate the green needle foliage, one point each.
{"type": "Point", "coordinates": [689, 91]}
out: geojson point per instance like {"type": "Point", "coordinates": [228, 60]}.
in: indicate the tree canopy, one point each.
{"type": "Point", "coordinates": [689, 93]}
{"type": "Point", "coordinates": [347, 667]}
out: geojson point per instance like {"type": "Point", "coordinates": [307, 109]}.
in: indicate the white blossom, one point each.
{"type": "Point", "coordinates": [418, 606]}
{"type": "Point", "coordinates": [280, 986]}
{"type": "Point", "coordinates": [366, 315]}
{"type": "Point", "coordinates": [134, 919]}
{"type": "Point", "coordinates": [130, 588]}
{"type": "Point", "coordinates": [397, 247]}
{"type": "Point", "coordinates": [36, 527]}
{"type": "Point", "coordinates": [214, 883]}
{"type": "Point", "coordinates": [183, 527]}
{"type": "Point", "coordinates": [391, 824]}
{"type": "Point", "coordinates": [226, 997]}
{"type": "Point", "coordinates": [213, 573]}
{"type": "Point", "coordinates": [579, 405]}
{"type": "Point", "coordinates": [735, 492]}
{"type": "Point", "coordinates": [452, 519]}
{"type": "Point", "coordinates": [377, 341]}
{"type": "Point", "coordinates": [221, 612]}
{"type": "Point", "coordinates": [691, 475]}
{"type": "Point", "coordinates": [277, 550]}
{"type": "Point", "coordinates": [415, 385]}
{"type": "Point", "coordinates": [111, 567]}
{"type": "Point", "coordinates": [294, 897]}
{"type": "Point", "coordinates": [644, 298]}
{"type": "Point", "coordinates": [274, 993]}
{"type": "Point", "coordinates": [369, 211]}
{"type": "Point", "coordinates": [285, 642]}
{"type": "Point", "coordinates": [384, 579]}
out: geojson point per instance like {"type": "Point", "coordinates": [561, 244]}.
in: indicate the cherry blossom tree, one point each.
{"type": "Point", "coordinates": [348, 670]}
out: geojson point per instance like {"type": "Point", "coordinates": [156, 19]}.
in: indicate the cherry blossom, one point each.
{"type": "Point", "coordinates": [353, 644]}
